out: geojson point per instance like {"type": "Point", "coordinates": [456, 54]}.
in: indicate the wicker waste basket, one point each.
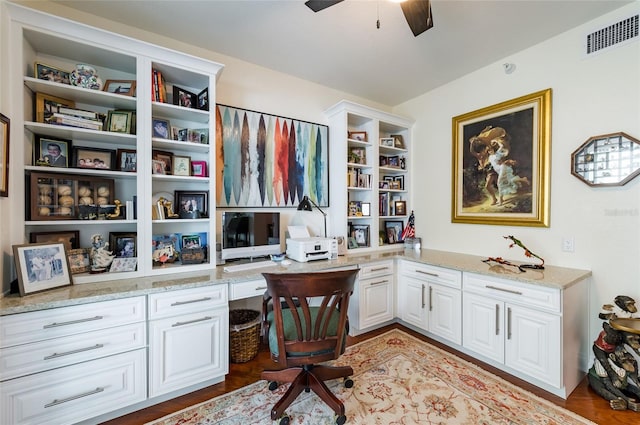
{"type": "Point", "coordinates": [244, 335]}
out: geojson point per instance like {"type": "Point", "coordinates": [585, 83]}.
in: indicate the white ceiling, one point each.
{"type": "Point", "coordinates": [341, 48]}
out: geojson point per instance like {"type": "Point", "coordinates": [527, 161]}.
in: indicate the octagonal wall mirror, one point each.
{"type": "Point", "coordinates": [607, 160]}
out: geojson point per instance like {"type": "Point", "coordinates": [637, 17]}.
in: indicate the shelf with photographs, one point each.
{"type": "Point", "coordinates": [372, 148]}
{"type": "Point", "coordinates": [89, 92]}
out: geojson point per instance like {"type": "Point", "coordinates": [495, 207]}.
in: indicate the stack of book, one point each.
{"type": "Point", "coordinates": [63, 115]}
{"type": "Point", "coordinates": [159, 90]}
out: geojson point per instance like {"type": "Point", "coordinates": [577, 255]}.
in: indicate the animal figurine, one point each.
{"type": "Point", "coordinates": [614, 374]}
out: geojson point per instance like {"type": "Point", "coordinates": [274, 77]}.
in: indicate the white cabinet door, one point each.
{"type": "Point", "coordinates": [376, 301]}
{"type": "Point", "coordinates": [445, 313]}
{"type": "Point", "coordinates": [186, 350]}
{"type": "Point", "coordinates": [482, 324]}
{"type": "Point", "coordinates": [412, 297]}
{"type": "Point", "coordinates": [533, 343]}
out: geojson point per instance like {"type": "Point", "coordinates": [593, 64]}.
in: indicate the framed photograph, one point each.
{"type": "Point", "coordinates": [393, 161]}
{"type": "Point", "coordinates": [51, 151]}
{"type": "Point", "coordinates": [41, 267]}
{"type": "Point", "coordinates": [394, 231]}
{"type": "Point", "coordinates": [184, 98]}
{"type": "Point", "coordinates": [198, 135]}
{"type": "Point", "coordinates": [165, 157]}
{"type": "Point", "coordinates": [70, 238]}
{"type": "Point", "coordinates": [5, 126]}
{"type": "Point", "coordinates": [46, 105]}
{"type": "Point", "coordinates": [352, 243]}
{"type": "Point", "coordinates": [383, 161]}
{"type": "Point", "coordinates": [160, 128]}
{"type": "Point", "coordinates": [123, 245]}
{"type": "Point", "coordinates": [127, 160]}
{"type": "Point", "coordinates": [199, 168]}
{"type": "Point", "coordinates": [361, 234]}
{"type": "Point", "coordinates": [120, 121]}
{"type": "Point", "coordinates": [496, 181]}
{"type": "Point", "coordinates": [96, 158]}
{"type": "Point", "coordinates": [79, 260]}
{"type": "Point", "coordinates": [400, 207]}
{"type": "Point", "coordinates": [360, 136]}
{"type": "Point", "coordinates": [203, 99]}
{"type": "Point", "coordinates": [157, 166]}
{"type": "Point", "coordinates": [357, 156]}
{"type": "Point", "coordinates": [181, 165]}
{"type": "Point", "coordinates": [123, 265]}
{"type": "Point", "coordinates": [190, 241]}
{"type": "Point", "coordinates": [50, 73]}
{"type": "Point", "coordinates": [398, 141]}
{"type": "Point", "coordinates": [191, 204]}
{"type": "Point", "coordinates": [366, 209]}
{"type": "Point", "coordinates": [124, 87]}
{"type": "Point", "coordinates": [400, 181]}
{"type": "Point", "coordinates": [387, 141]}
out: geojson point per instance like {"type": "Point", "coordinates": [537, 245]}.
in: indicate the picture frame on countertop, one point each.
{"type": "Point", "coordinates": [128, 264]}
{"type": "Point", "coordinates": [127, 160]}
{"type": "Point", "coordinates": [50, 73]}
{"type": "Point", "coordinates": [94, 158]}
{"type": "Point", "coordinates": [47, 104]}
{"type": "Point", "coordinates": [79, 260]}
{"type": "Point", "coordinates": [70, 238]}
{"type": "Point", "coordinates": [41, 267]}
{"type": "Point", "coordinates": [123, 244]}
{"type": "Point", "coordinates": [51, 151]}
{"type": "Point", "coordinates": [123, 87]}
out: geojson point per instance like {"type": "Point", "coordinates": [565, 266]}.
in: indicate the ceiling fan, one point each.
{"type": "Point", "coordinates": [417, 12]}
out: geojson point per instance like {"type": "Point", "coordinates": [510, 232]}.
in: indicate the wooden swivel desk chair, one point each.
{"type": "Point", "coordinates": [302, 335]}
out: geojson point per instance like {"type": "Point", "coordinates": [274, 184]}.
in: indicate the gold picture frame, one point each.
{"type": "Point", "coordinates": [501, 163]}
{"type": "Point", "coordinates": [45, 104]}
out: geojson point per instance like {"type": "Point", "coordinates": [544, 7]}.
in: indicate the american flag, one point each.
{"type": "Point", "coordinates": [410, 230]}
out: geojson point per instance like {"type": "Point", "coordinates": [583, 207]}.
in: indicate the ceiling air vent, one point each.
{"type": "Point", "coordinates": [605, 38]}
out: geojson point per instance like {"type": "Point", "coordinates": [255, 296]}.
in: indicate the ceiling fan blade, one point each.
{"type": "Point", "coordinates": [318, 5]}
{"type": "Point", "coordinates": [418, 15]}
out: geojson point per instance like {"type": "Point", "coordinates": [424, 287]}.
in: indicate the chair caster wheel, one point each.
{"type": "Point", "coordinates": [284, 420]}
{"type": "Point", "coordinates": [348, 383]}
{"type": "Point", "coordinates": [340, 420]}
{"type": "Point", "coordinates": [273, 385]}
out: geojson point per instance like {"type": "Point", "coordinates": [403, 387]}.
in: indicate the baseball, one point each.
{"type": "Point", "coordinates": [103, 191]}
{"type": "Point", "coordinates": [44, 211]}
{"type": "Point", "coordinates": [45, 199]}
{"type": "Point", "coordinates": [64, 190]}
{"type": "Point", "coordinates": [44, 189]}
{"type": "Point", "coordinates": [102, 200]}
{"type": "Point", "coordinates": [85, 200]}
{"type": "Point", "coordinates": [84, 191]}
{"type": "Point", "coordinates": [65, 201]}
{"type": "Point", "coordinates": [64, 211]}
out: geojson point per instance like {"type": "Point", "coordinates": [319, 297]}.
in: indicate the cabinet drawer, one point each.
{"type": "Point", "coordinates": [39, 356]}
{"type": "Point", "coordinates": [75, 393]}
{"type": "Point", "coordinates": [181, 301]}
{"type": "Point", "coordinates": [46, 324]}
{"type": "Point", "coordinates": [252, 288]}
{"type": "Point", "coordinates": [377, 269]}
{"type": "Point", "coordinates": [532, 296]}
{"type": "Point", "coordinates": [435, 274]}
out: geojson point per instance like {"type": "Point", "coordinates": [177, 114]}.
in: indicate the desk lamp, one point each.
{"type": "Point", "coordinates": [307, 205]}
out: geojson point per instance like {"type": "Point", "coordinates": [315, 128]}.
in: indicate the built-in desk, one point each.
{"type": "Point", "coordinates": [547, 304]}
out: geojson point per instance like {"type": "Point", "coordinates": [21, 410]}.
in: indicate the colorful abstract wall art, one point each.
{"type": "Point", "coordinates": [264, 160]}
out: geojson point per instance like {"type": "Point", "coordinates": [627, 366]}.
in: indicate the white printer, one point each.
{"type": "Point", "coordinates": [312, 248]}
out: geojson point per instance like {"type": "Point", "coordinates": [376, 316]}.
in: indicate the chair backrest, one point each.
{"type": "Point", "coordinates": [309, 315]}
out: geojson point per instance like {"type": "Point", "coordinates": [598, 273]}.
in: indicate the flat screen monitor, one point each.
{"type": "Point", "coordinates": [250, 234]}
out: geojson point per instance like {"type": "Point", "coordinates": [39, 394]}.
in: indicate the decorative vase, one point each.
{"type": "Point", "coordinates": [85, 76]}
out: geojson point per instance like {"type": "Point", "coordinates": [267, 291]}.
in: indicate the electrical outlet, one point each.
{"type": "Point", "coordinates": [568, 244]}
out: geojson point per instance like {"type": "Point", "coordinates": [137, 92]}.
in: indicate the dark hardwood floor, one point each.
{"type": "Point", "coordinates": [583, 401]}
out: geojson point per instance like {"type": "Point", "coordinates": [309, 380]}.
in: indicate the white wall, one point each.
{"type": "Point", "coordinates": [591, 96]}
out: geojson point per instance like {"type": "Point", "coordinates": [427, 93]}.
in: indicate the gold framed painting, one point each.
{"type": "Point", "coordinates": [501, 163]}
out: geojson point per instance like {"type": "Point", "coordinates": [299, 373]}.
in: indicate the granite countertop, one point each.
{"type": "Point", "coordinates": [551, 276]}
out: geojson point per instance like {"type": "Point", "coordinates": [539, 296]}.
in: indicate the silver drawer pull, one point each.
{"type": "Point", "coordinates": [79, 350]}
{"type": "Point", "coordinates": [427, 273]}
{"type": "Point", "coordinates": [379, 269]}
{"type": "Point", "coordinates": [379, 282]}
{"type": "Point", "coordinates": [422, 295]}
{"type": "Point", "coordinates": [177, 303]}
{"type": "Point", "coordinates": [72, 322]}
{"type": "Point", "coordinates": [191, 321]}
{"type": "Point", "coordinates": [497, 319]}
{"type": "Point", "coordinates": [73, 397]}
{"type": "Point", "coordinates": [511, 291]}
{"type": "Point", "coordinates": [261, 288]}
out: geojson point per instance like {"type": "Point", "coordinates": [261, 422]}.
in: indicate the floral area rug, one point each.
{"type": "Point", "coordinates": [399, 379]}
